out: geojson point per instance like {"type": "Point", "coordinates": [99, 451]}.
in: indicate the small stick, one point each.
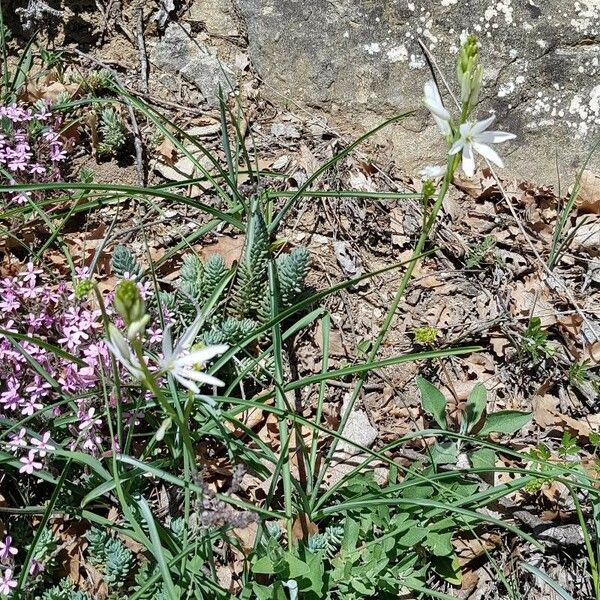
{"type": "Point", "coordinates": [142, 51]}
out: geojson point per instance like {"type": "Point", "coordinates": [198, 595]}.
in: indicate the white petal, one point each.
{"type": "Point", "coordinates": [481, 126]}
{"type": "Point", "coordinates": [457, 147]}
{"type": "Point", "coordinates": [117, 343]}
{"type": "Point", "coordinates": [200, 376]}
{"type": "Point", "coordinates": [190, 385]}
{"type": "Point", "coordinates": [167, 344]}
{"type": "Point", "coordinates": [200, 356]}
{"type": "Point", "coordinates": [443, 126]}
{"type": "Point", "coordinates": [468, 162]}
{"type": "Point", "coordinates": [466, 129]}
{"type": "Point", "coordinates": [433, 101]}
{"type": "Point", "coordinates": [494, 137]}
{"type": "Point", "coordinates": [187, 339]}
{"type": "Point", "coordinates": [489, 153]}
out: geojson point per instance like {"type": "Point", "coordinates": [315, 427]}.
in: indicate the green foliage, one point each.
{"type": "Point", "coordinates": [568, 445]}
{"type": "Point", "coordinates": [534, 342]}
{"type": "Point", "coordinates": [112, 131]}
{"type": "Point", "coordinates": [99, 80]}
{"type": "Point", "coordinates": [478, 252]}
{"type": "Point", "coordinates": [426, 335]}
{"type": "Point", "coordinates": [64, 591]}
{"type": "Point", "coordinates": [214, 273]}
{"type": "Point", "coordinates": [251, 281]}
{"type": "Point", "coordinates": [191, 276]}
{"type": "Point", "coordinates": [292, 270]}
{"type": "Point", "coordinates": [118, 562]}
{"type": "Point", "coordinates": [327, 542]}
{"type": "Point", "coordinates": [111, 555]}
{"type": "Point", "coordinates": [123, 262]}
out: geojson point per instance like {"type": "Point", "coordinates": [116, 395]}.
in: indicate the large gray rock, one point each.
{"type": "Point", "coordinates": [359, 61]}
{"type": "Point", "coordinates": [180, 53]}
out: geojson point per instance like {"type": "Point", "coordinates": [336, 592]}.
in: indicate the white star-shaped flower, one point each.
{"type": "Point", "coordinates": [475, 138]}
{"type": "Point", "coordinates": [185, 366]}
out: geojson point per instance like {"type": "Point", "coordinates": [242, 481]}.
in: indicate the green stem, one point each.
{"type": "Point", "coordinates": [418, 250]}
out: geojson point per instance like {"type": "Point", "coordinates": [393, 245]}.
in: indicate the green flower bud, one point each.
{"type": "Point", "coordinates": [469, 72]}
{"type": "Point", "coordinates": [82, 288]}
{"type": "Point", "coordinates": [426, 335]}
{"type": "Point", "coordinates": [428, 190]}
{"type": "Point", "coordinates": [129, 303]}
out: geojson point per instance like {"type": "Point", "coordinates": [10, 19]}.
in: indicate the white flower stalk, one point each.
{"type": "Point", "coordinates": [185, 365]}
{"type": "Point", "coordinates": [475, 138]}
{"type": "Point", "coordinates": [122, 351]}
{"type": "Point", "coordinates": [433, 101]}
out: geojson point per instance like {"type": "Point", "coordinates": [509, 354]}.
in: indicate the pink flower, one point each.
{"type": "Point", "coordinates": [29, 463]}
{"type": "Point", "coordinates": [88, 420]}
{"type": "Point", "coordinates": [30, 274]}
{"type": "Point", "coordinates": [6, 548]}
{"type": "Point", "coordinates": [18, 440]}
{"type": "Point", "coordinates": [42, 445]}
{"type": "Point", "coordinates": [7, 583]}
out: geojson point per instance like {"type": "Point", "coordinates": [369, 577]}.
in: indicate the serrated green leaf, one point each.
{"type": "Point", "coordinates": [434, 402]}
{"type": "Point", "coordinates": [505, 421]}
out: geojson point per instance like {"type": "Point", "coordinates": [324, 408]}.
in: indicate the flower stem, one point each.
{"type": "Point", "coordinates": [417, 251]}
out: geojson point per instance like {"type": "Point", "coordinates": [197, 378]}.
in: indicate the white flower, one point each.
{"type": "Point", "coordinates": [184, 365]}
{"type": "Point", "coordinates": [475, 138]}
{"type": "Point", "coordinates": [433, 171]}
{"type": "Point", "coordinates": [433, 101]}
{"type": "Point", "coordinates": [121, 350]}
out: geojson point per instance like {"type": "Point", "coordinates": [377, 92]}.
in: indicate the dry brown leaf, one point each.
{"type": "Point", "coordinates": [588, 198]}
{"type": "Point", "coordinates": [531, 299]}
{"type": "Point", "coordinates": [246, 536]}
{"type": "Point", "coordinates": [586, 234]}
{"type": "Point", "coordinates": [472, 548]}
{"type": "Point", "coordinates": [167, 151]}
{"type": "Point", "coordinates": [303, 527]}
{"type": "Point", "coordinates": [547, 415]}
{"type": "Point", "coordinates": [230, 248]}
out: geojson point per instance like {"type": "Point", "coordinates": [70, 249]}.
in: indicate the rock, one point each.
{"type": "Point", "coordinates": [217, 16]}
{"type": "Point", "coordinates": [178, 52]}
{"type": "Point", "coordinates": [358, 430]}
{"type": "Point", "coordinates": [359, 61]}
{"type": "Point", "coordinates": [285, 130]}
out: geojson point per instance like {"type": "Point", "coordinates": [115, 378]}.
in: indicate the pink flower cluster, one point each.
{"type": "Point", "coordinates": [7, 554]}
{"type": "Point", "coordinates": [30, 306]}
{"type": "Point", "coordinates": [31, 149]}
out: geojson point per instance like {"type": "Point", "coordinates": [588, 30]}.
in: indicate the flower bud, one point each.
{"type": "Point", "coordinates": [469, 72]}
{"type": "Point", "coordinates": [428, 190]}
{"type": "Point", "coordinates": [82, 288]}
{"type": "Point", "coordinates": [129, 303]}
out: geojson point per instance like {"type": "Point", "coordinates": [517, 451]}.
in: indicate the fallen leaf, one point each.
{"type": "Point", "coordinates": [588, 198]}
